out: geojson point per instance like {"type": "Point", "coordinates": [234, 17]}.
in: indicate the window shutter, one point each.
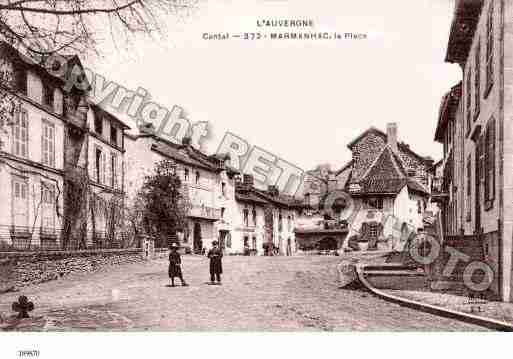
{"type": "Point", "coordinates": [492, 158]}
{"type": "Point", "coordinates": [487, 164]}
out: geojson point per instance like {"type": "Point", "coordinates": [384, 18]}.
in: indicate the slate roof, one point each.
{"type": "Point", "coordinates": [387, 176]}
{"type": "Point", "coordinates": [98, 110]}
{"type": "Point", "coordinates": [247, 196]}
{"type": "Point", "coordinates": [401, 145]}
{"type": "Point", "coordinates": [8, 49]}
{"type": "Point", "coordinates": [181, 154]}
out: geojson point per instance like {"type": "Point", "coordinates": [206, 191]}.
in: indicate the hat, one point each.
{"type": "Point", "coordinates": [214, 243]}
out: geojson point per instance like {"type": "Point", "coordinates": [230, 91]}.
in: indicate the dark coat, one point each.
{"type": "Point", "coordinates": [216, 264]}
{"type": "Point", "coordinates": [175, 269]}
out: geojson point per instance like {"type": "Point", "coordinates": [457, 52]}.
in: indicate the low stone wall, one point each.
{"type": "Point", "coordinates": [21, 269]}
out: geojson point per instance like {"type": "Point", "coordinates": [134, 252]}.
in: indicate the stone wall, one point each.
{"type": "Point", "coordinates": [21, 269]}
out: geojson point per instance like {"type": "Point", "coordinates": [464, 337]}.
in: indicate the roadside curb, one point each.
{"type": "Point", "coordinates": [433, 309]}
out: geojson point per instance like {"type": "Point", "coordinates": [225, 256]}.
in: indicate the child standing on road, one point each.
{"type": "Point", "coordinates": [175, 265]}
{"type": "Point", "coordinates": [216, 265]}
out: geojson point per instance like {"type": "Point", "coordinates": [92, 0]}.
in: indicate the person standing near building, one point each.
{"type": "Point", "coordinates": [216, 266]}
{"type": "Point", "coordinates": [175, 266]}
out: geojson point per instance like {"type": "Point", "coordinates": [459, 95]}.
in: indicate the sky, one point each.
{"type": "Point", "coordinates": [303, 101]}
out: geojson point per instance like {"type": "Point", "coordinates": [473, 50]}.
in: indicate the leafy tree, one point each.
{"type": "Point", "coordinates": [165, 203]}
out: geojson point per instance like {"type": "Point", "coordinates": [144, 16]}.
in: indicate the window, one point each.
{"type": "Point", "coordinates": [489, 50]}
{"type": "Point", "coordinates": [477, 81]}
{"type": "Point", "coordinates": [280, 222]}
{"type": "Point", "coordinates": [254, 243]}
{"type": "Point", "coordinates": [114, 166]}
{"type": "Point", "coordinates": [489, 164]}
{"type": "Point", "coordinates": [245, 215]}
{"type": "Point", "coordinates": [469, 100]}
{"type": "Point", "coordinates": [223, 188]}
{"type": "Point", "coordinates": [289, 223]}
{"type": "Point", "coordinates": [307, 199]}
{"type": "Point", "coordinates": [469, 189]}
{"type": "Point", "coordinates": [222, 212]}
{"type": "Point", "coordinates": [373, 230]}
{"type": "Point", "coordinates": [246, 241]}
{"type": "Point", "coordinates": [197, 177]}
{"type": "Point", "coordinates": [419, 207]}
{"type": "Point", "coordinates": [113, 135]}
{"type": "Point", "coordinates": [20, 134]}
{"type": "Point", "coordinates": [20, 201]}
{"type": "Point", "coordinates": [374, 202]}
{"type": "Point", "coordinates": [101, 164]}
{"type": "Point", "coordinates": [48, 144]}
{"type": "Point", "coordinates": [48, 93]}
{"type": "Point", "coordinates": [411, 173]}
{"type": "Point", "coordinates": [20, 79]}
{"type": "Point", "coordinates": [71, 103]}
{"type": "Point", "coordinates": [186, 174]}
{"type": "Point", "coordinates": [48, 205]}
{"type": "Point", "coordinates": [98, 125]}
{"type": "Point", "coordinates": [254, 213]}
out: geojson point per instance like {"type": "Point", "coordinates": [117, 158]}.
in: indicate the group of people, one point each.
{"type": "Point", "coordinates": [216, 266]}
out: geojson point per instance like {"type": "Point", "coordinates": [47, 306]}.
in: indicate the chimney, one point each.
{"type": "Point", "coordinates": [249, 180]}
{"type": "Point", "coordinates": [392, 135]}
{"type": "Point", "coordinates": [186, 141]}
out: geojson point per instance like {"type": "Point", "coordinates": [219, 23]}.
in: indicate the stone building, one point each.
{"type": "Point", "coordinates": [106, 150]}
{"type": "Point", "coordinates": [249, 228]}
{"type": "Point", "coordinates": [280, 219]}
{"type": "Point", "coordinates": [209, 180]}
{"type": "Point", "coordinates": [387, 181]}
{"type": "Point", "coordinates": [41, 121]}
{"type": "Point", "coordinates": [478, 134]}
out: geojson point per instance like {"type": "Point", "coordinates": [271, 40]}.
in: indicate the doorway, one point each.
{"type": "Point", "coordinates": [197, 241]}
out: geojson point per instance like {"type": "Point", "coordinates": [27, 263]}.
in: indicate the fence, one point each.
{"type": "Point", "coordinates": [19, 238]}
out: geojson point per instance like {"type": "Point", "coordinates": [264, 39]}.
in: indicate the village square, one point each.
{"type": "Point", "coordinates": [114, 222]}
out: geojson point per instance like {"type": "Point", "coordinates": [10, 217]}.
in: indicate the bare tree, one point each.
{"type": "Point", "coordinates": [44, 27]}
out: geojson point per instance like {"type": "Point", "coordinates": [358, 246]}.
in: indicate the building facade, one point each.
{"type": "Point", "coordinates": [38, 118]}
{"type": "Point", "coordinates": [209, 182]}
{"type": "Point", "coordinates": [478, 147]}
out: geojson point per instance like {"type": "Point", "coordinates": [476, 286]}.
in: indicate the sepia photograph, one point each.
{"type": "Point", "coordinates": [216, 175]}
